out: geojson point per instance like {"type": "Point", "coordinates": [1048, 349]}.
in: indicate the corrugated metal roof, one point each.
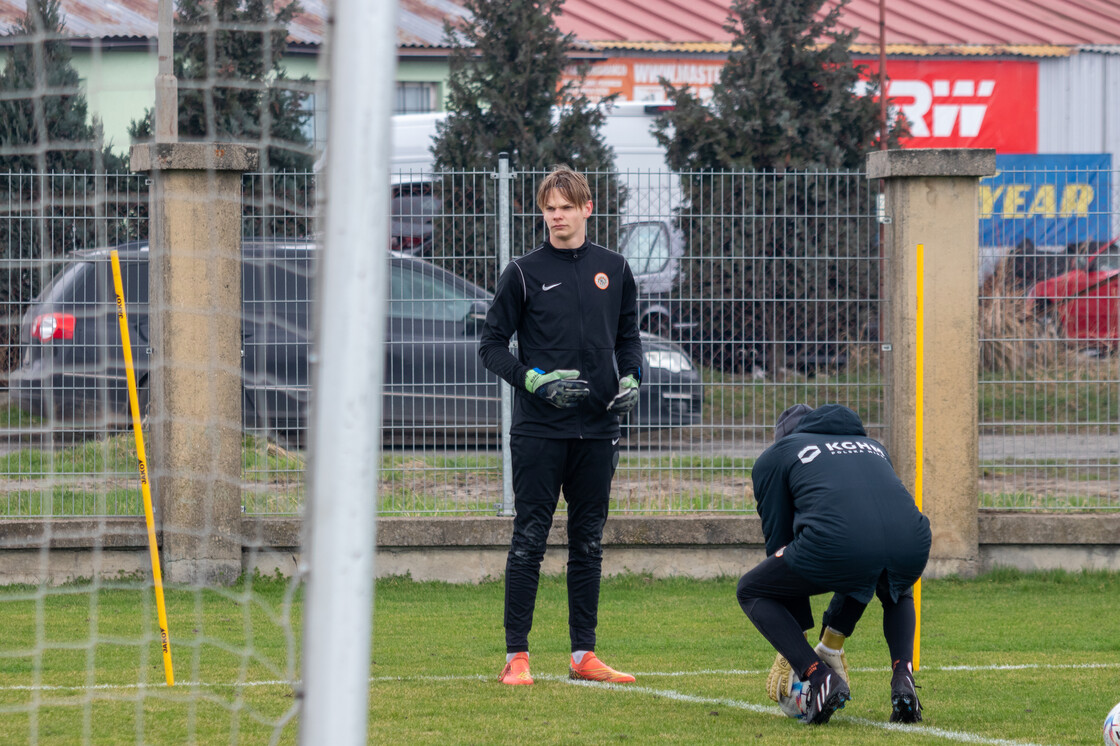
{"type": "Point", "coordinates": [963, 50]}
{"type": "Point", "coordinates": [982, 27]}
{"type": "Point", "coordinates": [695, 47]}
{"type": "Point", "coordinates": [420, 22]}
{"type": "Point", "coordinates": [920, 22]}
{"type": "Point", "coordinates": [910, 50]}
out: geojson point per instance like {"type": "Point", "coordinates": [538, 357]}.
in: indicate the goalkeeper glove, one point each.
{"type": "Point", "coordinates": [626, 397]}
{"type": "Point", "coordinates": [779, 681]}
{"type": "Point", "coordinates": [560, 388]}
{"type": "Point", "coordinates": [831, 650]}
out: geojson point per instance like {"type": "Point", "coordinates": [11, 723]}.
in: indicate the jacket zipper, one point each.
{"type": "Point", "coordinates": [579, 317]}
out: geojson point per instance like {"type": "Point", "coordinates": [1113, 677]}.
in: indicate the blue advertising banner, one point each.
{"type": "Point", "coordinates": [1053, 200]}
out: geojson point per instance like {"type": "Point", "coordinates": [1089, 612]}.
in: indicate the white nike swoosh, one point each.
{"type": "Point", "coordinates": [546, 288]}
{"type": "Point", "coordinates": [615, 441]}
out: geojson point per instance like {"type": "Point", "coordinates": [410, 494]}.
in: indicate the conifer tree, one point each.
{"type": "Point", "coordinates": [232, 83]}
{"type": "Point", "coordinates": [506, 95]}
{"type": "Point", "coordinates": [51, 132]}
{"type": "Point", "coordinates": [233, 88]}
{"type": "Point", "coordinates": [785, 107]}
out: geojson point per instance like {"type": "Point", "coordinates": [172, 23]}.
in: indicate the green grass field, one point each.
{"type": "Point", "coordinates": [1006, 658]}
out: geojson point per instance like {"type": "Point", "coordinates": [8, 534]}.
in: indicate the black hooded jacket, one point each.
{"type": "Point", "coordinates": [829, 495]}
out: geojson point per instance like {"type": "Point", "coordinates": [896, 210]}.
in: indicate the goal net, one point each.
{"type": "Point", "coordinates": [187, 525]}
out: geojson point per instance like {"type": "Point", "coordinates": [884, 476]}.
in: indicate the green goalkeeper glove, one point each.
{"type": "Point", "coordinates": [560, 388]}
{"type": "Point", "coordinates": [627, 396]}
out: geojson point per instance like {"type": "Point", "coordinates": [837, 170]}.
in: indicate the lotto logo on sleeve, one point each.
{"type": "Point", "coordinates": [602, 281]}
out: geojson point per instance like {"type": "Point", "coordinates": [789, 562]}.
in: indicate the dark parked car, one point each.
{"type": "Point", "coordinates": [72, 367]}
{"type": "Point", "coordinates": [1086, 299]}
{"type": "Point", "coordinates": [435, 388]}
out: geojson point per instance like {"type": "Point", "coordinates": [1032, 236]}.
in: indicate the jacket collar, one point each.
{"type": "Point", "coordinates": [570, 254]}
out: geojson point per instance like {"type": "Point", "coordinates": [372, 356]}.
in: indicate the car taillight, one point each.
{"type": "Point", "coordinates": [53, 326]}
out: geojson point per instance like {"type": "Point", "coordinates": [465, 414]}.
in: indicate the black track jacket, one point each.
{"type": "Point", "coordinates": [574, 309]}
{"type": "Point", "coordinates": [829, 494]}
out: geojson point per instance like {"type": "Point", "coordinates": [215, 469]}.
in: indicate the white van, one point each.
{"type": "Point", "coordinates": [639, 159]}
{"type": "Point", "coordinates": [653, 189]}
{"type": "Point", "coordinates": [413, 135]}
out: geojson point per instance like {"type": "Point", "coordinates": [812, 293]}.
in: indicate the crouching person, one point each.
{"type": "Point", "coordinates": [836, 519]}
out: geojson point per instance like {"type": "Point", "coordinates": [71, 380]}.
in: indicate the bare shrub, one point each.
{"type": "Point", "coordinates": [1014, 335]}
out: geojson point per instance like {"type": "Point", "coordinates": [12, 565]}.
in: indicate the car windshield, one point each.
{"type": "Point", "coordinates": [415, 294]}
{"type": "Point", "coordinates": [645, 247]}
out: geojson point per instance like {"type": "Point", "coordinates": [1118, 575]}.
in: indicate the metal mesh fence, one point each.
{"type": "Point", "coordinates": [761, 295]}
{"type": "Point", "coordinates": [757, 291]}
{"type": "Point", "coordinates": [1049, 323]}
{"type": "Point", "coordinates": [277, 282]}
{"type": "Point", "coordinates": [61, 454]}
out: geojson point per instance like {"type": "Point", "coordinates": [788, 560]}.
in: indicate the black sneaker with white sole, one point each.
{"type": "Point", "coordinates": [905, 707]}
{"type": "Point", "coordinates": [827, 694]}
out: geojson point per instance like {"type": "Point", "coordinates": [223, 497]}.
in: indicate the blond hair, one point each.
{"type": "Point", "coordinates": [570, 184]}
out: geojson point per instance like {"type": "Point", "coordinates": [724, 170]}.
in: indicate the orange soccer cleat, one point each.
{"type": "Point", "coordinates": [516, 671]}
{"type": "Point", "coordinates": [593, 669]}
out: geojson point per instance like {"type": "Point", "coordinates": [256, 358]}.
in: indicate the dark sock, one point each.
{"type": "Point", "coordinates": [898, 628]}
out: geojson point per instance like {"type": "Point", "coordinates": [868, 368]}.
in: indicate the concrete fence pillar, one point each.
{"type": "Point", "coordinates": [195, 333]}
{"type": "Point", "coordinates": [932, 200]}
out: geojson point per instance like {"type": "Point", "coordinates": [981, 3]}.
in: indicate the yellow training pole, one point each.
{"type": "Point", "coordinates": [918, 445]}
{"type": "Point", "coordinates": [145, 488]}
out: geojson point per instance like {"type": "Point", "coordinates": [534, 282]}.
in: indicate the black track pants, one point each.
{"type": "Point", "coordinates": [776, 599]}
{"type": "Point", "coordinates": [541, 468]}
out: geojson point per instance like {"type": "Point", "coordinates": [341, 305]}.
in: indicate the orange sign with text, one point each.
{"type": "Point", "coordinates": [637, 79]}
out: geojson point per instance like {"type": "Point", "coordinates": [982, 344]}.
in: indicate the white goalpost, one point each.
{"type": "Point", "coordinates": [346, 405]}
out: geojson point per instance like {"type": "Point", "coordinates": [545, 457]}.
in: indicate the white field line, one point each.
{"type": "Point", "coordinates": [180, 685]}
{"type": "Point", "coordinates": [948, 735]}
{"type": "Point", "coordinates": [873, 669]}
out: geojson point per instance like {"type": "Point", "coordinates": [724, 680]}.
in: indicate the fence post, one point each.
{"type": "Point", "coordinates": [932, 199]}
{"type": "Point", "coordinates": [195, 316]}
{"type": "Point", "coordinates": [505, 231]}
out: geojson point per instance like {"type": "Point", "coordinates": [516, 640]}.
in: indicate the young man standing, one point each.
{"type": "Point", "coordinates": [573, 306]}
{"type": "Point", "coordinates": [837, 519]}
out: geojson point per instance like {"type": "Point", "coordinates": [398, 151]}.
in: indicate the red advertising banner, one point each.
{"type": "Point", "coordinates": [949, 103]}
{"type": "Point", "coordinates": [965, 103]}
